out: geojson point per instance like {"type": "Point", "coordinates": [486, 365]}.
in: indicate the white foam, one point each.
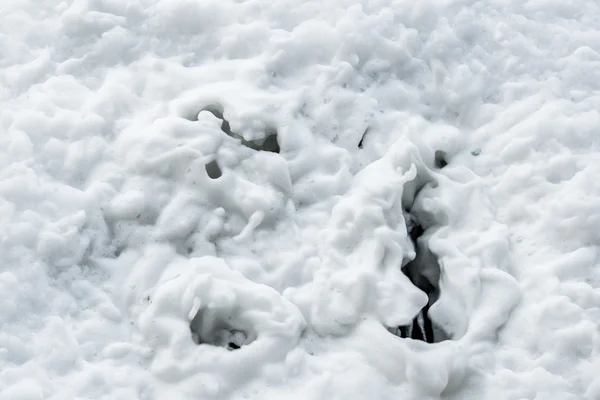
{"type": "Point", "coordinates": [119, 250]}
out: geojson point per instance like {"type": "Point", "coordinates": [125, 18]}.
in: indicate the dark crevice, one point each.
{"type": "Point", "coordinates": [440, 159]}
{"type": "Point", "coordinates": [268, 143]}
{"type": "Point", "coordinates": [403, 331]}
{"type": "Point", "coordinates": [217, 111]}
{"type": "Point", "coordinates": [420, 271]}
{"type": "Point", "coordinates": [427, 325]}
{"type": "Point", "coordinates": [225, 127]}
{"type": "Point", "coordinates": [415, 231]}
{"type": "Point", "coordinates": [417, 332]}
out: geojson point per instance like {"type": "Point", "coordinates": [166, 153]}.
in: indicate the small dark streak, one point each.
{"type": "Point", "coordinates": [360, 144]}
{"type": "Point", "coordinates": [427, 325]}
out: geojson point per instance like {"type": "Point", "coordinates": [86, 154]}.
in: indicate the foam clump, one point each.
{"type": "Point", "coordinates": [200, 309]}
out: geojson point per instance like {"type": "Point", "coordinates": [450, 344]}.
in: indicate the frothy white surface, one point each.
{"type": "Point", "coordinates": [114, 238]}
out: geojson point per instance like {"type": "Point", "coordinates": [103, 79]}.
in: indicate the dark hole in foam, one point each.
{"type": "Point", "coordinates": [212, 328]}
{"type": "Point", "coordinates": [440, 159]}
{"type": "Point", "coordinates": [213, 170]}
{"type": "Point", "coordinates": [233, 346]}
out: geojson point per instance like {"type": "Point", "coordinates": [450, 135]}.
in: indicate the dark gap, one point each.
{"type": "Point", "coordinates": [417, 333]}
{"type": "Point", "coordinates": [403, 331]}
{"type": "Point", "coordinates": [217, 111]}
{"type": "Point", "coordinates": [214, 109]}
{"type": "Point", "coordinates": [427, 325]}
{"type": "Point", "coordinates": [213, 170]}
{"type": "Point", "coordinates": [233, 346]}
{"type": "Point", "coordinates": [360, 144]}
{"type": "Point", "coordinates": [270, 143]}
{"type": "Point", "coordinates": [195, 327]}
{"type": "Point", "coordinates": [440, 159]}
{"type": "Point", "coordinates": [421, 328]}
{"type": "Point", "coordinates": [225, 127]}
{"type": "Point", "coordinates": [415, 233]}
